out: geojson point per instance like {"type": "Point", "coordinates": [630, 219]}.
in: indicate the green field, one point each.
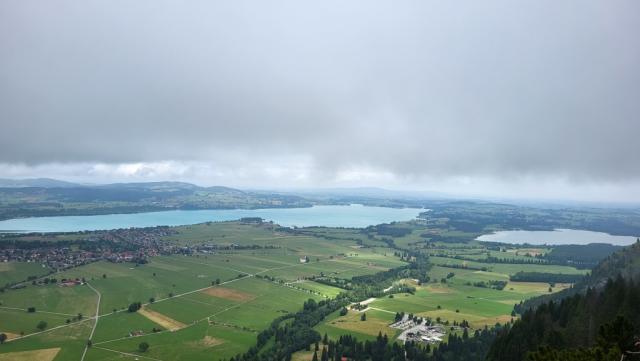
{"type": "Point", "coordinates": [11, 272]}
{"type": "Point", "coordinates": [206, 306]}
{"type": "Point", "coordinates": [209, 319]}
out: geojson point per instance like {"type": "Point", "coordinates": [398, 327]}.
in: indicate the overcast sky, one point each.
{"type": "Point", "coordinates": [530, 99]}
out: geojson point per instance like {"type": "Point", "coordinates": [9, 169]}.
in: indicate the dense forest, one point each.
{"type": "Point", "coordinates": [459, 348]}
{"type": "Point", "coordinates": [545, 277]}
{"type": "Point", "coordinates": [597, 325]}
{"type": "Point", "coordinates": [581, 256]}
{"type": "Point", "coordinates": [470, 216]}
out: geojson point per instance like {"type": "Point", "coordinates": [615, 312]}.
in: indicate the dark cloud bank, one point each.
{"type": "Point", "coordinates": [407, 90]}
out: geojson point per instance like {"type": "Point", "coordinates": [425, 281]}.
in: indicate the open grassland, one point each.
{"type": "Point", "coordinates": [224, 318]}
{"type": "Point", "coordinates": [455, 300]}
{"type": "Point", "coordinates": [221, 323]}
{"type": "Point", "coordinates": [123, 283]}
{"type": "Point", "coordinates": [327, 291]}
{"type": "Point", "coordinates": [47, 354]}
{"type": "Point", "coordinates": [160, 319]}
{"type": "Point", "coordinates": [70, 340]}
{"type": "Point", "coordinates": [447, 303]}
{"type": "Point", "coordinates": [376, 322]}
{"type": "Point", "coordinates": [51, 298]}
{"type": "Point", "coordinates": [507, 268]}
{"type": "Point", "coordinates": [193, 306]}
{"type": "Point", "coordinates": [228, 233]}
{"type": "Point", "coordinates": [198, 343]}
{"type": "Point", "coordinates": [120, 324]}
{"type": "Point", "coordinates": [20, 321]}
{"type": "Point", "coordinates": [11, 272]}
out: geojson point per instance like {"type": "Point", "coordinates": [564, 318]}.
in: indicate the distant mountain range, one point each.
{"type": "Point", "coordinates": [55, 183]}
{"type": "Point", "coordinates": [36, 182]}
{"type": "Point", "coordinates": [370, 192]}
{"type": "Point", "coordinates": [49, 197]}
{"type": "Point", "coordinates": [365, 192]}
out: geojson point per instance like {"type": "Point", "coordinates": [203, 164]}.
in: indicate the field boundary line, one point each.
{"type": "Point", "coordinates": [198, 301]}
{"type": "Point", "coordinates": [264, 260]}
{"type": "Point", "coordinates": [24, 309]}
{"type": "Point", "coordinates": [293, 288]}
{"type": "Point", "coordinates": [207, 318]}
{"type": "Point", "coordinates": [130, 337]}
{"type": "Point", "coordinates": [225, 310]}
{"type": "Point", "coordinates": [212, 265]}
{"type": "Point", "coordinates": [128, 354]}
{"type": "Point", "coordinates": [51, 329]}
{"type": "Point", "coordinates": [201, 289]}
{"type": "Point", "coordinates": [248, 275]}
{"type": "Point", "coordinates": [182, 294]}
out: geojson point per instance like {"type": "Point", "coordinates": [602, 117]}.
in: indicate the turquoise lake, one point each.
{"type": "Point", "coordinates": [356, 216]}
{"type": "Point", "coordinates": [558, 236]}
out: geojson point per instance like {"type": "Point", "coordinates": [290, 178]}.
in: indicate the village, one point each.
{"type": "Point", "coordinates": [121, 245]}
{"type": "Point", "coordinates": [133, 245]}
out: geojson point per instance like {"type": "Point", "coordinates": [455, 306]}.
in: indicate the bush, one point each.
{"type": "Point", "coordinates": [134, 307]}
{"type": "Point", "coordinates": [143, 347]}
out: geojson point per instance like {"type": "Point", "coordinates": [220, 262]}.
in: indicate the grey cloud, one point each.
{"type": "Point", "coordinates": [413, 88]}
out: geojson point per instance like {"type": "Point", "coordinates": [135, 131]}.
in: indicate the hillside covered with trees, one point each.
{"type": "Point", "coordinates": [598, 319]}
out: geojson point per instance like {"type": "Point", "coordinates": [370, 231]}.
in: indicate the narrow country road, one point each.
{"type": "Point", "coordinates": [86, 347]}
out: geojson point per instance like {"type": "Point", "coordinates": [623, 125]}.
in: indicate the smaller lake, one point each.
{"type": "Point", "coordinates": [355, 216]}
{"type": "Point", "coordinates": [558, 236]}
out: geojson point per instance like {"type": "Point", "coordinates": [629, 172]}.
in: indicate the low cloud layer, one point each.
{"type": "Point", "coordinates": [293, 93]}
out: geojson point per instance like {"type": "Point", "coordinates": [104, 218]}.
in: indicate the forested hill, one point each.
{"type": "Point", "coordinates": [625, 262]}
{"type": "Point", "coordinates": [598, 325]}
{"type": "Point", "coordinates": [38, 198]}
{"type": "Point", "coordinates": [598, 320]}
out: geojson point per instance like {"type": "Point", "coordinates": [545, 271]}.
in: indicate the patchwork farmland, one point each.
{"type": "Point", "coordinates": [212, 304]}
{"type": "Point", "coordinates": [192, 306]}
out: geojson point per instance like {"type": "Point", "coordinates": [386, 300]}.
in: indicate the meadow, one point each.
{"type": "Point", "coordinates": [11, 272]}
{"type": "Point", "coordinates": [193, 306]}
{"type": "Point", "coordinates": [212, 305]}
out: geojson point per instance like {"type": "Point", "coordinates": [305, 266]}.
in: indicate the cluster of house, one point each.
{"type": "Point", "coordinates": [419, 331]}
{"type": "Point", "coordinates": [141, 236]}
{"type": "Point", "coordinates": [122, 245]}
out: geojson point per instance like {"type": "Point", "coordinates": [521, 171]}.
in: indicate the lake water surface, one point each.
{"type": "Point", "coordinates": [558, 236]}
{"type": "Point", "coordinates": [331, 216]}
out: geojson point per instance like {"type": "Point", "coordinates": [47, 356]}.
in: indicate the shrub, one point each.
{"type": "Point", "coordinates": [143, 347]}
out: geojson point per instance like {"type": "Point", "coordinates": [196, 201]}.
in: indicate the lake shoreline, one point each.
{"type": "Point", "coordinates": [555, 237]}
{"type": "Point", "coordinates": [349, 216]}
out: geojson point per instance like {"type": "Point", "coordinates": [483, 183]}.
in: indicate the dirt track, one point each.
{"type": "Point", "coordinates": [162, 320]}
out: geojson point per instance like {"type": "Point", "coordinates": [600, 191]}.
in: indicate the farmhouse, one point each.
{"type": "Point", "coordinates": [69, 283]}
